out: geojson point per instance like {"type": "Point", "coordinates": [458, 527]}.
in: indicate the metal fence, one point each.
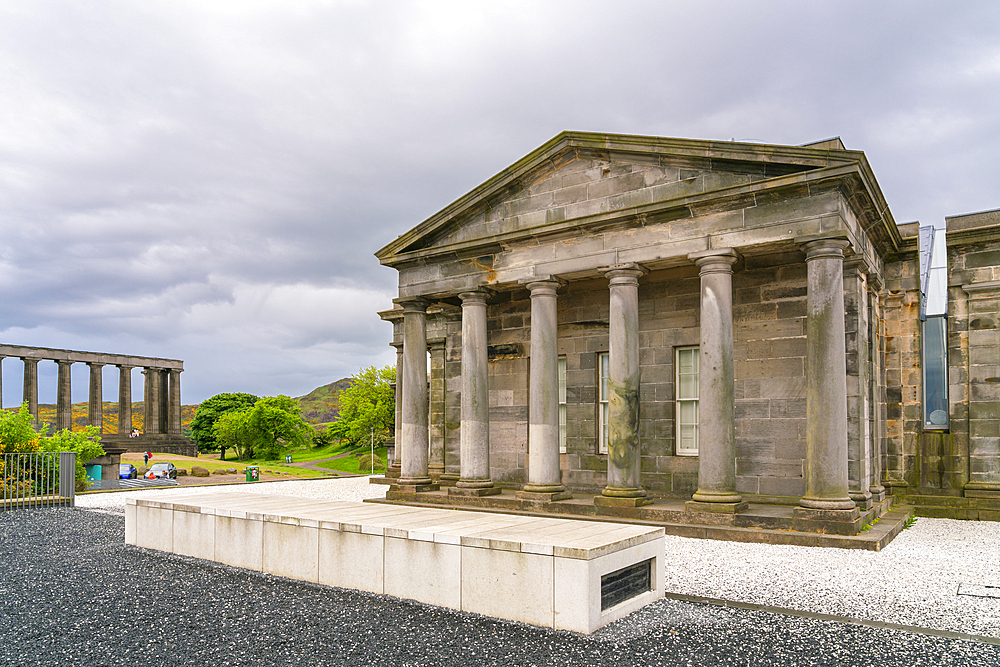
{"type": "Point", "coordinates": [38, 479]}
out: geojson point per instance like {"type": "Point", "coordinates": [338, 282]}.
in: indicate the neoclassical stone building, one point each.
{"type": "Point", "coordinates": [637, 317]}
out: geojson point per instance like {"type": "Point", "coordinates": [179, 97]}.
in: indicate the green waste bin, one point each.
{"type": "Point", "coordinates": [253, 474]}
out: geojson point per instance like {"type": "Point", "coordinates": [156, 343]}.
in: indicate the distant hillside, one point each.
{"type": "Point", "coordinates": [47, 415]}
{"type": "Point", "coordinates": [322, 404]}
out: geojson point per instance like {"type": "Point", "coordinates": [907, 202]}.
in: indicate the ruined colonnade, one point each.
{"type": "Point", "coordinates": [162, 388]}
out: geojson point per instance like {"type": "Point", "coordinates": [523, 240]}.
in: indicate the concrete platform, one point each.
{"type": "Point", "coordinates": [548, 572]}
{"type": "Point", "coordinates": [760, 523]}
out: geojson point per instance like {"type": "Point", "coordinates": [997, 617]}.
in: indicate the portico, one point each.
{"type": "Point", "coordinates": [646, 318]}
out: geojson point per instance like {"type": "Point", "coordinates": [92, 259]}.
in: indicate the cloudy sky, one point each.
{"type": "Point", "coordinates": [209, 180]}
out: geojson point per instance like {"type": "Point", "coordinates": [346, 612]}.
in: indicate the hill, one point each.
{"type": "Point", "coordinates": [319, 407]}
{"type": "Point", "coordinates": [322, 404]}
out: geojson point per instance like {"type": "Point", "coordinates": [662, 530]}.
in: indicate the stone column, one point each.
{"type": "Point", "coordinates": [64, 399]}
{"type": "Point", "coordinates": [124, 400]}
{"type": "Point", "coordinates": [859, 369]}
{"type": "Point", "coordinates": [30, 393]}
{"type": "Point", "coordinates": [174, 402]}
{"type": "Point", "coordinates": [95, 410]}
{"type": "Point", "coordinates": [716, 382]}
{"type": "Point", "coordinates": [826, 495]}
{"type": "Point", "coordinates": [394, 470]}
{"type": "Point", "coordinates": [624, 478]}
{"type": "Point", "coordinates": [435, 460]}
{"type": "Point", "coordinates": [414, 476]}
{"type": "Point", "coordinates": [475, 430]}
{"type": "Point", "coordinates": [877, 391]}
{"type": "Point", "coordinates": [151, 401]}
{"type": "Point", "coordinates": [544, 475]}
{"type": "Point", "coordinates": [163, 394]}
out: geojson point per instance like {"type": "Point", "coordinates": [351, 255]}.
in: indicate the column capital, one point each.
{"type": "Point", "coordinates": [624, 274]}
{"type": "Point", "coordinates": [125, 367]}
{"type": "Point", "coordinates": [413, 304]}
{"type": "Point", "coordinates": [30, 360]}
{"type": "Point", "coordinates": [824, 248]}
{"type": "Point", "coordinates": [436, 343]}
{"type": "Point", "coordinates": [96, 364]}
{"type": "Point", "coordinates": [474, 296]}
{"type": "Point", "coordinates": [63, 362]}
{"type": "Point", "coordinates": [715, 260]}
{"type": "Point", "coordinates": [543, 284]}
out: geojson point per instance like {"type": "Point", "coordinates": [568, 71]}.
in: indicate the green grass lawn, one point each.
{"type": "Point", "coordinates": [350, 463]}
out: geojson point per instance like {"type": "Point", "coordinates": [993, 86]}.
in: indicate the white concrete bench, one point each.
{"type": "Point", "coordinates": [557, 573]}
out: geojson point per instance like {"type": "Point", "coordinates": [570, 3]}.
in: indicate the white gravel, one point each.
{"type": "Point", "coordinates": [914, 581]}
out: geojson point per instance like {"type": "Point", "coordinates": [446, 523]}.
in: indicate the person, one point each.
{"type": "Point", "coordinates": [145, 459]}
{"type": "Point", "coordinates": [134, 433]}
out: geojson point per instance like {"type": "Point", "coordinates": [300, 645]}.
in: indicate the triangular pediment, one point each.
{"type": "Point", "coordinates": [584, 177]}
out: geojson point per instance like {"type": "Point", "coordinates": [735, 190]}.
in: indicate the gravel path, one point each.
{"type": "Point", "coordinates": [914, 581]}
{"type": "Point", "coordinates": [73, 594]}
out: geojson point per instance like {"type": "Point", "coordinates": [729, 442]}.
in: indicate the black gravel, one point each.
{"type": "Point", "coordinates": [72, 593]}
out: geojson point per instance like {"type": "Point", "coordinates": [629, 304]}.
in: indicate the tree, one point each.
{"type": "Point", "coordinates": [367, 406]}
{"type": "Point", "coordinates": [209, 412]}
{"type": "Point", "coordinates": [17, 432]}
{"type": "Point", "coordinates": [85, 443]}
{"type": "Point", "coordinates": [263, 429]}
{"type": "Point", "coordinates": [276, 422]}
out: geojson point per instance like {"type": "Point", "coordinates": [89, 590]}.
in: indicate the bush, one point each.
{"type": "Point", "coordinates": [365, 463]}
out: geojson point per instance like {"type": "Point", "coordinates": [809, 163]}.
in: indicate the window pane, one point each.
{"type": "Point", "coordinates": [562, 379]}
{"type": "Point", "coordinates": [687, 386]}
{"type": "Point", "coordinates": [686, 406]}
{"type": "Point", "coordinates": [935, 366]}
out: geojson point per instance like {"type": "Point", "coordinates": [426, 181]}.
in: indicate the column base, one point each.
{"type": "Point", "coordinates": [405, 487]}
{"type": "Point", "coordinates": [716, 508]}
{"type": "Point", "coordinates": [837, 522]}
{"type": "Point", "coordinates": [543, 496]}
{"type": "Point", "coordinates": [448, 479]}
{"type": "Point", "coordinates": [878, 493]}
{"type": "Point", "coordinates": [862, 499]}
{"type": "Point", "coordinates": [982, 490]}
{"type": "Point", "coordinates": [393, 472]}
{"type": "Point", "coordinates": [475, 492]}
{"type": "Point", "coordinates": [709, 497]}
{"type": "Point", "coordinates": [832, 504]}
{"type": "Point", "coordinates": [435, 471]}
{"type": "Point", "coordinates": [619, 501]}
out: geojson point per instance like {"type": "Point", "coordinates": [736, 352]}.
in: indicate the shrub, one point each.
{"type": "Point", "coordinates": [365, 463]}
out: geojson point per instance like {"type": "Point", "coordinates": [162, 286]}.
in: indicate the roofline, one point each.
{"type": "Point", "coordinates": [695, 148]}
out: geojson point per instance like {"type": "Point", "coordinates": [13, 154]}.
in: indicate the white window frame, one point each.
{"type": "Point", "coordinates": [603, 366]}
{"type": "Point", "coordinates": [562, 404]}
{"type": "Point", "coordinates": [684, 423]}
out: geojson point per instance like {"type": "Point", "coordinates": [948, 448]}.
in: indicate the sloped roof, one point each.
{"type": "Point", "coordinates": [772, 163]}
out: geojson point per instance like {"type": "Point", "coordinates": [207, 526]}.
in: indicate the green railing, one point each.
{"type": "Point", "coordinates": [38, 479]}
